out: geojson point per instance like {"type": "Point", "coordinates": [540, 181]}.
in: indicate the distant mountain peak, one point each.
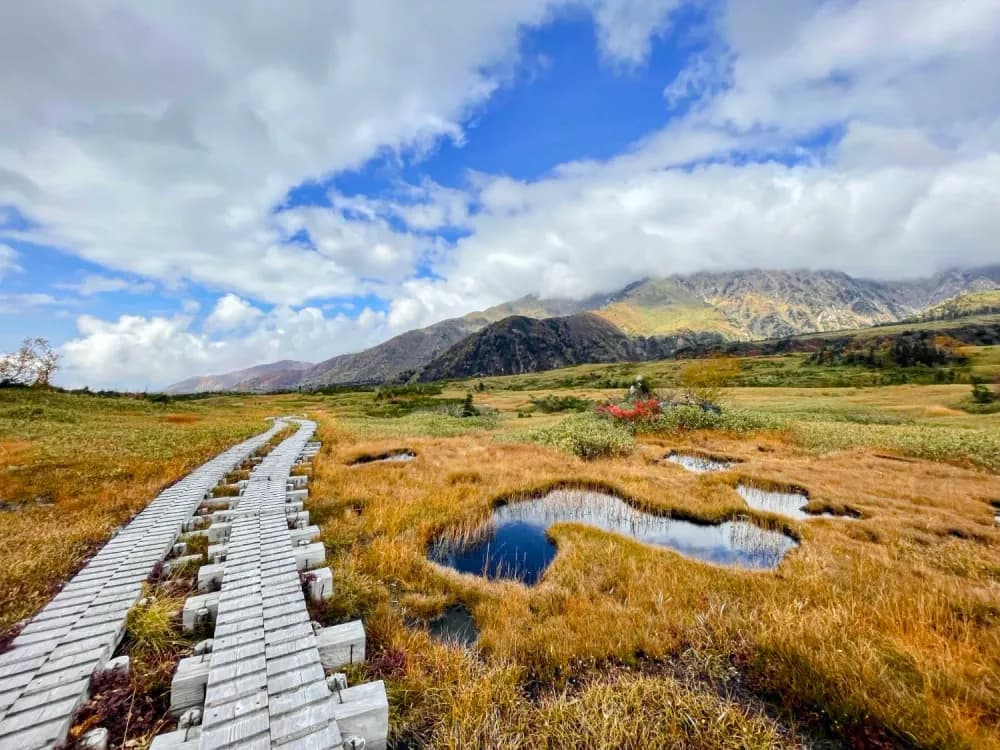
{"type": "Point", "coordinates": [656, 313]}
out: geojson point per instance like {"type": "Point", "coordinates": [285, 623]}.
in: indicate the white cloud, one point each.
{"type": "Point", "coordinates": [231, 312]}
{"type": "Point", "coordinates": [910, 189]}
{"type": "Point", "coordinates": [706, 74]}
{"type": "Point", "coordinates": [94, 283]}
{"type": "Point", "coordinates": [899, 62]}
{"type": "Point", "coordinates": [16, 304]}
{"type": "Point", "coordinates": [138, 352]}
{"type": "Point", "coordinates": [167, 159]}
{"type": "Point", "coordinates": [625, 27]}
{"type": "Point", "coordinates": [8, 260]}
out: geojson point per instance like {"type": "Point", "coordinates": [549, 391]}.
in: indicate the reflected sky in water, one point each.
{"type": "Point", "coordinates": [784, 503]}
{"type": "Point", "coordinates": [698, 464]}
{"type": "Point", "coordinates": [513, 544]}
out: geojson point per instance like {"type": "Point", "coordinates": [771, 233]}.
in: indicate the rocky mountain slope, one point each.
{"type": "Point", "coordinates": [518, 344]}
{"type": "Point", "coordinates": [738, 305]}
{"type": "Point", "coordinates": [274, 376]}
{"type": "Point", "coordinates": [410, 351]}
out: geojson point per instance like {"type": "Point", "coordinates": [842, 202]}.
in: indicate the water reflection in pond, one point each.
{"type": "Point", "coordinates": [699, 464]}
{"type": "Point", "coordinates": [455, 626]}
{"type": "Point", "coordinates": [513, 544]}
{"type": "Point", "coordinates": [784, 503]}
{"type": "Point", "coordinates": [394, 456]}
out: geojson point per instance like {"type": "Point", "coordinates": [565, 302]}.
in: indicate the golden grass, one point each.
{"type": "Point", "coordinates": [881, 630]}
{"type": "Point", "coordinates": [75, 467]}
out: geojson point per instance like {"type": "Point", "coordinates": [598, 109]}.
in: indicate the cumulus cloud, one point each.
{"type": "Point", "coordinates": [903, 63]}
{"type": "Point", "coordinates": [582, 235]}
{"type": "Point", "coordinates": [138, 352]}
{"type": "Point", "coordinates": [230, 313]}
{"type": "Point", "coordinates": [860, 136]}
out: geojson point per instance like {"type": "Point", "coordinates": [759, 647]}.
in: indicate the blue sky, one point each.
{"type": "Point", "coordinates": [195, 189]}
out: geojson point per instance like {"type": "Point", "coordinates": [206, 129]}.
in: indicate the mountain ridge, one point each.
{"type": "Point", "coordinates": [272, 376]}
{"type": "Point", "coordinates": [753, 304]}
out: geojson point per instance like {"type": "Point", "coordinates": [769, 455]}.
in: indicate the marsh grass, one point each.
{"type": "Point", "coordinates": [882, 631]}
{"type": "Point", "coordinates": [422, 423]}
{"type": "Point", "coordinates": [974, 447]}
{"type": "Point", "coordinates": [99, 460]}
{"type": "Point", "coordinates": [879, 632]}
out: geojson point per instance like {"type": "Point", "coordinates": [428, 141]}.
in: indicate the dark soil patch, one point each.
{"type": "Point", "coordinates": [118, 707]}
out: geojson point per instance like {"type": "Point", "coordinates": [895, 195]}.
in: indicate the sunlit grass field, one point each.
{"type": "Point", "coordinates": [73, 467]}
{"type": "Point", "coordinates": [884, 631]}
{"type": "Point", "coordinates": [878, 632]}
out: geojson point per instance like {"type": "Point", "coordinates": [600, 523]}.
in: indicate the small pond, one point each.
{"type": "Point", "coordinates": [454, 626]}
{"type": "Point", "coordinates": [403, 455]}
{"type": "Point", "coordinates": [784, 503]}
{"type": "Point", "coordinates": [788, 504]}
{"type": "Point", "coordinates": [698, 464]}
{"type": "Point", "coordinates": [514, 544]}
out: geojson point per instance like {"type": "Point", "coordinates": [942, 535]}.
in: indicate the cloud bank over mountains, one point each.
{"type": "Point", "coordinates": [163, 144]}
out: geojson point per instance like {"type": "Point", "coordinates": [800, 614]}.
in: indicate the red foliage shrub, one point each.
{"type": "Point", "coordinates": [637, 411]}
{"type": "Point", "coordinates": [388, 663]}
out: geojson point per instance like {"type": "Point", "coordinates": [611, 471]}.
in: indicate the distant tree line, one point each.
{"type": "Point", "coordinates": [911, 349]}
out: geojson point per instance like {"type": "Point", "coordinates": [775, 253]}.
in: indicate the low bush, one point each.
{"type": "Point", "coordinates": [974, 407]}
{"type": "Point", "coordinates": [587, 436]}
{"type": "Point", "coordinates": [552, 404]}
{"type": "Point", "coordinates": [680, 418]}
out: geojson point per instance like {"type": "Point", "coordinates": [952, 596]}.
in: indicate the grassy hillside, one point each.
{"type": "Point", "coordinates": [791, 369]}
{"type": "Point", "coordinates": [73, 467]}
{"type": "Point", "coordinates": [974, 303]}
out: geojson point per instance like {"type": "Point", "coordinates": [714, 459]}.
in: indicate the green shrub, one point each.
{"type": "Point", "coordinates": [679, 418]}
{"type": "Point", "coordinates": [468, 407]}
{"type": "Point", "coordinates": [980, 393]}
{"type": "Point", "coordinates": [974, 407]}
{"type": "Point", "coordinates": [587, 436]}
{"type": "Point", "coordinates": [551, 404]}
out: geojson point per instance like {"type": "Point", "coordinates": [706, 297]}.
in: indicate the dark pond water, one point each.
{"type": "Point", "coordinates": [455, 626]}
{"type": "Point", "coordinates": [698, 464]}
{"type": "Point", "coordinates": [396, 456]}
{"type": "Point", "coordinates": [514, 545]}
